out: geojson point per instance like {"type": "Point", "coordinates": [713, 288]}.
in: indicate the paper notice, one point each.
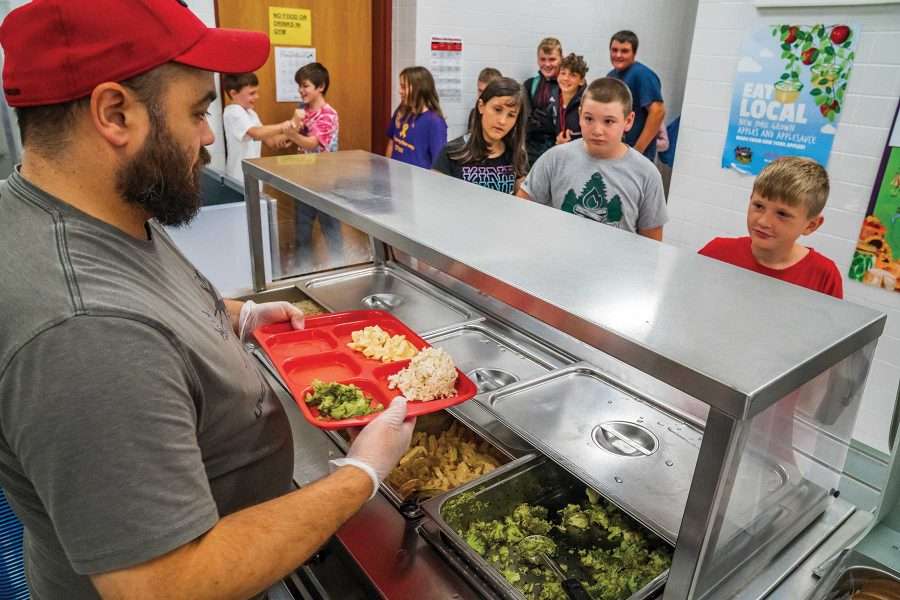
{"type": "Point", "coordinates": [446, 67]}
{"type": "Point", "coordinates": [287, 61]}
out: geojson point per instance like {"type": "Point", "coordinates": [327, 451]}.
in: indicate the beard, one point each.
{"type": "Point", "coordinates": [161, 178]}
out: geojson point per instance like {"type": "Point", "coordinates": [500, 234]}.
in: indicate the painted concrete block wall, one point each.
{"type": "Point", "coordinates": [206, 10]}
{"type": "Point", "coordinates": [504, 34]}
{"type": "Point", "coordinates": [707, 201]}
{"type": "Point", "coordinates": [403, 42]}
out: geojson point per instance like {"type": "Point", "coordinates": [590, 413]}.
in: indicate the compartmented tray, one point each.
{"type": "Point", "coordinates": [319, 351]}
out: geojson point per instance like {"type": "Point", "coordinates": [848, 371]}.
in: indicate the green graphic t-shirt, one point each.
{"type": "Point", "coordinates": [626, 193]}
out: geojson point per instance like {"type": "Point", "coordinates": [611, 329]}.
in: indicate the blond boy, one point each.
{"type": "Point", "coordinates": [542, 92]}
{"type": "Point", "coordinates": [787, 201]}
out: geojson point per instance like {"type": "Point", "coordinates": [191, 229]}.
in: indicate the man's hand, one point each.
{"type": "Point", "coordinates": [564, 137]}
{"type": "Point", "coordinates": [255, 315]}
{"type": "Point", "coordinates": [380, 445]}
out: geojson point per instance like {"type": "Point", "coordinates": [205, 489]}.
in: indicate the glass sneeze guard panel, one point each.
{"type": "Point", "coordinates": [789, 467]}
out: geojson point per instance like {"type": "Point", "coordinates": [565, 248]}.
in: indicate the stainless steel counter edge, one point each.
{"type": "Point", "coordinates": [557, 274]}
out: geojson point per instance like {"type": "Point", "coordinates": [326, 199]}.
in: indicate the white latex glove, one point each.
{"type": "Point", "coordinates": [380, 445]}
{"type": "Point", "coordinates": [255, 315]}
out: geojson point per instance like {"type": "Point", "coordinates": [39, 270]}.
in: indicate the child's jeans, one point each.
{"type": "Point", "coordinates": [331, 230]}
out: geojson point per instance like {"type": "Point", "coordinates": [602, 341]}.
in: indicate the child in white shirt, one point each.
{"type": "Point", "coordinates": [244, 132]}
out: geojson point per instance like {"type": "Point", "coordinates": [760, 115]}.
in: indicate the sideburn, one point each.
{"type": "Point", "coordinates": [160, 178]}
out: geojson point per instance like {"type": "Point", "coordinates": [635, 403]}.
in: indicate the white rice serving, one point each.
{"type": "Point", "coordinates": [430, 375]}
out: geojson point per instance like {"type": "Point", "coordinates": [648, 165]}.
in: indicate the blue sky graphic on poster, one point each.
{"type": "Point", "coordinates": [788, 94]}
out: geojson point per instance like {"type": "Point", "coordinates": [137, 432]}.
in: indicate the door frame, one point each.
{"type": "Point", "coordinates": [382, 84]}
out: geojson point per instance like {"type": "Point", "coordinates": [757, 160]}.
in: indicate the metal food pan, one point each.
{"type": "Point", "coordinates": [531, 479]}
{"type": "Point", "coordinates": [854, 573]}
{"type": "Point", "coordinates": [433, 423]}
{"type": "Point", "coordinates": [495, 356]}
{"type": "Point", "coordinates": [609, 436]}
{"type": "Point", "coordinates": [857, 580]}
{"type": "Point", "coordinates": [412, 300]}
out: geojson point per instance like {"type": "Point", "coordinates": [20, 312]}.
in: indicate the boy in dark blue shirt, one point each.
{"type": "Point", "coordinates": [646, 92]}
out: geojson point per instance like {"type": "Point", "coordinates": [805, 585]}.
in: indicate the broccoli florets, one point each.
{"type": "Point", "coordinates": [338, 401]}
{"type": "Point", "coordinates": [604, 549]}
{"type": "Point", "coordinates": [573, 516]}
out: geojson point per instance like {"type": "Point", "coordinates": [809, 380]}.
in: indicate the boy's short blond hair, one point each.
{"type": "Point", "coordinates": [795, 181]}
{"type": "Point", "coordinates": [549, 45]}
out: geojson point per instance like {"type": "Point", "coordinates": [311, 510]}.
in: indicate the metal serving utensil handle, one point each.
{"type": "Point", "coordinates": [573, 588]}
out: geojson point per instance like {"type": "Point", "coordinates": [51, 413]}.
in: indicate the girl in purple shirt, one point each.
{"type": "Point", "coordinates": [418, 131]}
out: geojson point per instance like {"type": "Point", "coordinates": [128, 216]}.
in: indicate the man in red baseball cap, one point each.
{"type": "Point", "coordinates": [140, 445]}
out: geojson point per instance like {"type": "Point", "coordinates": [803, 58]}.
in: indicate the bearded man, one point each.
{"type": "Point", "coordinates": [139, 444]}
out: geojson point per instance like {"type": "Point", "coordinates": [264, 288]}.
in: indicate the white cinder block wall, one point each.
{"type": "Point", "coordinates": [506, 33]}
{"type": "Point", "coordinates": [707, 201]}
{"type": "Point", "coordinates": [206, 10]}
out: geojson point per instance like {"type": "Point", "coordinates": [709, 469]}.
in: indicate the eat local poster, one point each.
{"type": "Point", "coordinates": [788, 94]}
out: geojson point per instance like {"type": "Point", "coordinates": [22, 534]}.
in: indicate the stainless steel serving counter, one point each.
{"type": "Point", "coordinates": [636, 299]}
{"type": "Point", "coordinates": [752, 386]}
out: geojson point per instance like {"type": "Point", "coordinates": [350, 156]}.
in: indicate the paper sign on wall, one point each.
{"type": "Point", "coordinates": [788, 94]}
{"type": "Point", "coordinates": [287, 61]}
{"type": "Point", "coordinates": [877, 257]}
{"type": "Point", "coordinates": [290, 26]}
{"type": "Point", "coordinates": [446, 67]}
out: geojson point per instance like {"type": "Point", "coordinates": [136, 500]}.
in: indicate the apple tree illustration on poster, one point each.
{"type": "Point", "coordinates": [789, 93]}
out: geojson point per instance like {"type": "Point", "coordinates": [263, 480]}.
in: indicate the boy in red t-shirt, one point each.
{"type": "Point", "coordinates": [787, 201]}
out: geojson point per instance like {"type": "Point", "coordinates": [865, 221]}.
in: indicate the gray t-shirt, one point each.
{"type": "Point", "coordinates": [131, 417]}
{"type": "Point", "coordinates": [626, 192]}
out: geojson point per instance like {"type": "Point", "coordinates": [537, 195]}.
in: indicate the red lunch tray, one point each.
{"type": "Point", "coordinates": [320, 351]}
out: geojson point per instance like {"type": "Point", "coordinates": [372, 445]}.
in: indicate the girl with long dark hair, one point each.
{"type": "Point", "coordinates": [418, 130]}
{"type": "Point", "coordinates": [493, 153]}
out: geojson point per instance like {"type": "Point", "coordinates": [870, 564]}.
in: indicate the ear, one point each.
{"type": "Point", "coordinates": [629, 121]}
{"type": "Point", "coordinates": [116, 114]}
{"type": "Point", "coordinates": [813, 224]}
{"type": "Point", "coordinates": [480, 106]}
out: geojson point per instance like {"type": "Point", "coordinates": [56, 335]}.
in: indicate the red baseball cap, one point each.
{"type": "Point", "coordinates": [59, 50]}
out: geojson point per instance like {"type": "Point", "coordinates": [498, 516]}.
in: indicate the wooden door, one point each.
{"type": "Point", "coordinates": [342, 34]}
{"type": "Point", "coordinates": [342, 37]}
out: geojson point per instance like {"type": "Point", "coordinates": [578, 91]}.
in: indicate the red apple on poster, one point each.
{"type": "Point", "coordinates": [791, 36]}
{"type": "Point", "coordinates": [839, 34]}
{"type": "Point", "coordinates": [809, 56]}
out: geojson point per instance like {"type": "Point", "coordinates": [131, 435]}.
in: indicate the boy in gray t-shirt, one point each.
{"type": "Point", "coordinates": [600, 177]}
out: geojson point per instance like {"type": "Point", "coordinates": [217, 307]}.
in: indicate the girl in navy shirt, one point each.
{"type": "Point", "coordinates": [492, 154]}
{"type": "Point", "coordinates": [418, 131]}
